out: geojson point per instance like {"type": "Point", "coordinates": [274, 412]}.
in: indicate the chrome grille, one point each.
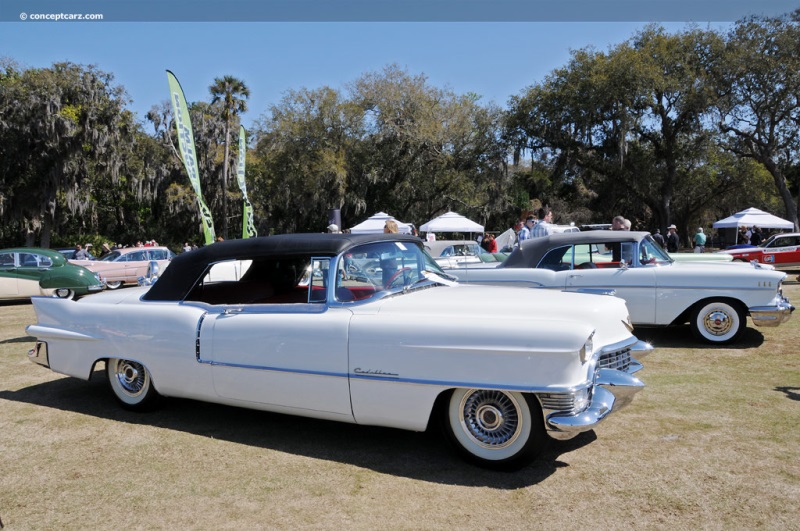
{"type": "Point", "coordinates": [617, 359]}
{"type": "Point", "coordinates": [557, 401]}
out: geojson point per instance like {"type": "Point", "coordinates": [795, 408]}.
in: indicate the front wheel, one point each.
{"type": "Point", "coordinates": [718, 321]}
{"type": "Point", "coordinates": [114, 285]}
{"type": "Point", "coordinates": [132, 385]}
{"type": "Point", "coordinates": [495, 429]}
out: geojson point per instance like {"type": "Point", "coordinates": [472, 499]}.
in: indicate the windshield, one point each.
{"type": "Point", "coordinates": [651, 252]}
{"type": "Point", "coordinates": [374, 268]}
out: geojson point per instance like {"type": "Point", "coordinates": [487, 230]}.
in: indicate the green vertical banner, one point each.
{"type": "Point", "coordinates": [248, 229]}
{"type": "Point", "coordinates": [188, 155]}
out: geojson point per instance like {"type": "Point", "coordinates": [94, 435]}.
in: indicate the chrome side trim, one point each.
{"type": "Point", "coordinates": [596, 291]}
{"type": "Point", "coordinates": [197, 338]}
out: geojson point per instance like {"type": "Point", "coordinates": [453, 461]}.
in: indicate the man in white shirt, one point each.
{"type": "Point", "coordinates": [525, 231]}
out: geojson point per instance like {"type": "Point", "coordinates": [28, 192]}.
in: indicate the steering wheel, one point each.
{"type": "Point", "coordinates": [388, 283]}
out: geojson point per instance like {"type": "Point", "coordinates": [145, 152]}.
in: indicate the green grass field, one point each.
{"type": "Point", "coordinates": [712, 442]}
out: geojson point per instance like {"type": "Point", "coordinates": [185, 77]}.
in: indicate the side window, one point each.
{"type": "Point", "coordinates": [558, 259]}
{"type": "Point", "coordinates": [285, 280]}
{"type": "Point", "coordinates": [6, 259]}
{"type": "Point", "coordinates": [28, 260]}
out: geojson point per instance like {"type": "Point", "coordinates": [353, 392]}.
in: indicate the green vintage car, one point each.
{"type": "Point", "coordinates": [26, 272]}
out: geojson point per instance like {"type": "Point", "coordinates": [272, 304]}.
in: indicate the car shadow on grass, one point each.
{"type": "Point", "coordinates": [681, 337]}
{"type": "Point", "coordinates": [422, 456]}
{"type": "Point", "coordinates": [21, 339]}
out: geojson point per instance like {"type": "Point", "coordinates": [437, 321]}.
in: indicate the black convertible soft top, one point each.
{"type": "Point", "coordinates": [186, 269]}
{"type": "Point", "coordinates": [531, 251]}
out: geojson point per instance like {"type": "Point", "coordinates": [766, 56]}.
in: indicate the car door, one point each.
{"type": "Point", "coordinates": [9, 288]}
{"type": "Point", "coordinates": [782, 251]}
{"type": "Point", "coordinates": [32, 267]}
{"type": "Point", "coordinates": [634, 283]}
{"type": "Point", "coordinates": [290, 356]}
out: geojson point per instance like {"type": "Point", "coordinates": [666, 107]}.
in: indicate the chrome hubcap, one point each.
{"type": "Point", "coordinates": [131, 376]}
{"type": "Point", "coordinates": [490, 418]}
{"type": "Point", "coordinates": [718, 322]}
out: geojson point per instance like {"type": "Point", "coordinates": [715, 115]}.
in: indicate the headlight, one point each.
{"type": "Point", "coordinates": [588, 348]}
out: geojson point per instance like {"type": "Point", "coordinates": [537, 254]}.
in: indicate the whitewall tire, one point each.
{"type": "Point", "coordinates": [718, 321]}
{"type": "Point", "coordinates": [495, 429]}
{"type": "Point", "coordinates": [131, 384]}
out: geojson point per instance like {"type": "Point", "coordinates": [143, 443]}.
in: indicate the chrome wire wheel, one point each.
{"type": "Point", "coordinates": [495, 429]}
{"type": "Point", "coordinates": [131, 383]}
{"type": "Point", "coordinates": [491, 418]}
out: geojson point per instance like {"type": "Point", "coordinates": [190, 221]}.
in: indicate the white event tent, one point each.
{"type": "Point", "coordinates": [374, 225]}
{"type": "Point", "coordinates": [753, 216]}
{"type": "Point", "coordinates": [748, 218]}
{"type": "Point", "coordinates": [451, 222]}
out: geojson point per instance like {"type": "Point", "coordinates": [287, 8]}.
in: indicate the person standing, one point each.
{"type": "Point", "coordinates": [699, 241]}
{"type": "Point", "coordinates": [80, 253]}
{"type": "Point", "coordinates": [673, 241]}
{"type": "Point", "coordinates": [492, 245]}
{"type": "Point", "coordinates": [618, 223]}
{"type": "Point", "coordinates": [544, 227]}
{"type": "Point", "coordinates": [756, 237]}
{"type": "Point", "coordinates": [659, 238]}
{"type": "Point", "coordinates": [390, 227]}
{"type": "Point", "coordinates": [525, 232]}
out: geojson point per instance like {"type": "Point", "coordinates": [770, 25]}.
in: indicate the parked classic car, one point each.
{"type": "Point", "coordinates": [363, 329]}
{"type": "Point", "coordinates": [779, 250]}
{"type": "Point", "coordinates": [126, 265]}
{"type": "Point", "coordinates": [450, 253]}
{"type": "Point", "coordinates": [714, 298]}
{"type": "Point", "coordinates": [69, 253]}
{"type": "Point", "coordinates": [27, 272]}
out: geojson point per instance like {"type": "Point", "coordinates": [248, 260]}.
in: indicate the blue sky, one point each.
{"type": "Point", "coordinates": [493, 59]}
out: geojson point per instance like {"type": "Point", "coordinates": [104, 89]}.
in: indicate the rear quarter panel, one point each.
{"type": "Point", "coordinates": [159, 335]}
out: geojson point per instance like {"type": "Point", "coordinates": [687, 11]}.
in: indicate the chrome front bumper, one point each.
{"type": "Point", "coordinates": [772, 315]}
{"type": "Point", "coordinates": [611, 390]}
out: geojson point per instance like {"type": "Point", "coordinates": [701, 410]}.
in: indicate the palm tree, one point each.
{"type": "Point", "coordinates": [233, 93]}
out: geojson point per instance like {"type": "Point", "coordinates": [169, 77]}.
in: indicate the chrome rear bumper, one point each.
{"type": "Point", "coordinates": [38, 354]}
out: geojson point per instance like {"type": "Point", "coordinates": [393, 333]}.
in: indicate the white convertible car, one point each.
{"type": "Point", "coordinates": [713, 297]}
{"type": "Point", "coordinates": [355, 328]}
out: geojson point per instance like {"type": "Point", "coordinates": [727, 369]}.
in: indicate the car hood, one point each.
{"type": "Point", "coordinates": [548, 316]}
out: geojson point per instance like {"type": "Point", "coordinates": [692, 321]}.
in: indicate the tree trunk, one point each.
{"type": "Point", "coordinates": [783, 190]}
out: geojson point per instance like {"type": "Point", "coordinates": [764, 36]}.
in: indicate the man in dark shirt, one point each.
{"type": "Point", "coordinates": [673, 242]}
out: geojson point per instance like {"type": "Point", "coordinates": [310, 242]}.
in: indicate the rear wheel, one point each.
{"type": "Point", "coordinates": [495, 429]}
{"type": "Point", "coordinates": [132, 385]}
{"type": "Point", "coordinates": [718, 321]}
{"type": "Point", "coordinates": [114, 285]}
